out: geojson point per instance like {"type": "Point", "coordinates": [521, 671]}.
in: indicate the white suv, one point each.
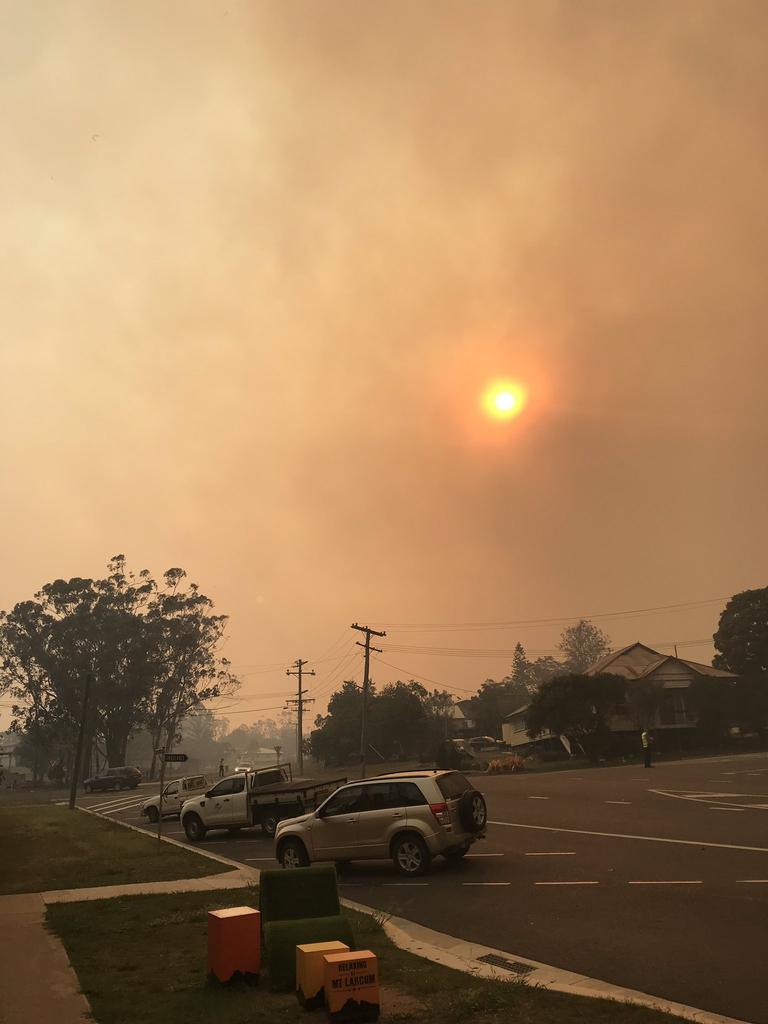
{"type": "Point", "coordinates": [408, 816]}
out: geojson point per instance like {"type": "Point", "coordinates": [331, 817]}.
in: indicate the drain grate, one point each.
{"type": "Point", "coordinates": [513, 966]}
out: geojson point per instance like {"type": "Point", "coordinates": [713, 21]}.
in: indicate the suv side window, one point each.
{"type": "Point", "coordinates": [347, 801]}
{"type": "Point", "coordinates": [411, 795]}
{"type": "Point", "coordinates": [172, 789]}
{"type": "Point", "coordinates": [238, 785]}
{"type": "Point", "coordinates": [379, 796]}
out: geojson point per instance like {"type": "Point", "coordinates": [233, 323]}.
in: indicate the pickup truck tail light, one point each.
{"type": "Point", "coordinates": [440, 812]}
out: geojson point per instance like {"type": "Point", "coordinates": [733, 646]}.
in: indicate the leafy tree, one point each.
{"type": "Point", "coordinates": [494, 701]}
{"type": "Point", "coordinates": [531, 674]}
{"type": "Point", "coordinates": [576, 706]}
{"type": "Point", "coordinates": [399, 720]}
{"type": "Point", "coordinates": [645, 698]}
{"type": "Point", "coordinates": [742, 634]}
{"type": "Point", "coordinates": [152, 655]}
{"type": "Point", "coordinates": [336, 738]}
{"type": "Point", "coordinates": [582, 645]}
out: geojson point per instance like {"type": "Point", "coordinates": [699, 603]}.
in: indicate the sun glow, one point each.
{"type": "Point", "coordinates": [503, 400]}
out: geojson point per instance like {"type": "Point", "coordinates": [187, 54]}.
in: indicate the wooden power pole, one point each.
{"type": "Point", "coordinates": [298, 703]}
{"type": "Point", "coordinates": [366, 683]}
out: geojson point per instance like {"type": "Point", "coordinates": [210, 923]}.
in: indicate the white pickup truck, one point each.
{"type": "Point", "coordinates": [263, 797]}
{"type": "Point", "coordinates": [174, 795]}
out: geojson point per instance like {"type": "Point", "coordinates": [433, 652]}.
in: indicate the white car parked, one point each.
{"type": "Point", "coordinates": [174, 795]}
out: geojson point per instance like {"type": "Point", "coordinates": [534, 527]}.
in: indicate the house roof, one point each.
{"type": "Point", "coordinates": [636, 661]}
{"type": "Point", "coordinates": [517, 711]}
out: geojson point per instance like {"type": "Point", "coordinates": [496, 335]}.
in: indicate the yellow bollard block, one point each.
{"type": "Point", "coordinates": [310, 968]}
{"type": "Point", "coordinates": [351, 983]}
{"type": "Point", "coordinates": [234, 942]}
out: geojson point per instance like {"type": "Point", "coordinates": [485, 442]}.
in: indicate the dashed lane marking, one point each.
{"type": "Point", "coordinates": [623, 835]}
{"type": "Point", "coordinates": [538, 798]}
{"type": "Point", "coordinates": [553, 853]}
{"type": "Point", "coordinates": [404, 885]}
{"type": "Point", "coordinates": [268, 858]}
{"type": "Point", "coordinates": [627, 802]}
{"type": "Point", "coordinates": [667, 881]}
{"type": "Point", "coordinates": [752, 881]}
{"type": "Point", "coordinates": [566, 883]}
{"type": "Point", "coordinates": [473, 855]}
{"type": "Point", "coordinates": [727, 809]}
{"type": "Point", "coordinates": [486, 883]}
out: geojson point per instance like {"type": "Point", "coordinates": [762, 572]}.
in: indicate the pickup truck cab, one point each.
{"type": "Point", "coordinates": [174, 795]}
{"type": "Point", "coordinates": [263, 796]}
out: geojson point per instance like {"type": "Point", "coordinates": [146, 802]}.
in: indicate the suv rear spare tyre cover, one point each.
{"type": "Point", "coordinates": [473, 813]}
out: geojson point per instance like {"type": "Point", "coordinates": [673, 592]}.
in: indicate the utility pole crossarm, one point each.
{"type": "Point", "coordinates": [298, 702]}
{"type": "Point", "coordinates": [366, 683]}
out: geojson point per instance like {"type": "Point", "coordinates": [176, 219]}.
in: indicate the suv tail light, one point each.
{"type": "Point", "coordinates": [440, 811]}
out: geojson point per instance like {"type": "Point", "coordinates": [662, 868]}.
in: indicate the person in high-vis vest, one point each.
{"type": "Point", "coordinates": [646, 740]}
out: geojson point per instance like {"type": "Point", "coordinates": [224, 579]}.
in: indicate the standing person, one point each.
{"type": "Point", "coordinates": [221, 768]}
{"type": "Point", "coordinates": [646, 740]}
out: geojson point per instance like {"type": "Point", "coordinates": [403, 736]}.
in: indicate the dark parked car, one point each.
{"type": "Point", "coordinates": [113, 778]}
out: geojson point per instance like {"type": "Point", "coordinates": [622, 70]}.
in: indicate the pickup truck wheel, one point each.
{"type": "Point", "coordinates": [293, 854]}
{"type": "Point", "coordinates": [269, 825]}
{"type": "Point", "coordinates": [194, 828]}
{"type": "Point", "coordinates": [410, 854]}
{"type": "Point", "coordinates": [153, 814]}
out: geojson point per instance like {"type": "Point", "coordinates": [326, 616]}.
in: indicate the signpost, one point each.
{"type": "Point", "coordinates": [167, 758]}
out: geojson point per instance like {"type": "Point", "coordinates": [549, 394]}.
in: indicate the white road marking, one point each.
{"type": "Point", "coordinates": [275, 858]}
{"type": "Point", "coordinates": [404, 885]}
{"type": "Point", "coordinates": [553, 853]}
{"type": "Point", "coordinates": [486, 883]}
{"type": "Point", "coordinates": [727, 809]}
{"type": "Point", "coordinates": [483, 855]}
{"type": "Point", "coordinates": [114, 802]}
{"type": "Point", "coordinates": [566, 883]}
{"type": "Point", "coordinates": [113, 808]}
{"type": "Point", "coordinates": [628, 802]}
{"type": "Point", "coordinates": [538, 798]}
{"type": "Point", "coordinates": [623, 835]}
{"type": "Point", "coordinates": [670, 881]}
{"type": "Point", "coordinates": [752, 881]}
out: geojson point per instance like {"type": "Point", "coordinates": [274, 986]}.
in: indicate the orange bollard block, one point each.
{"type": "Point", "coordinates": [234, 943]}
{"type": "Point", "coordinates": [310, 968]}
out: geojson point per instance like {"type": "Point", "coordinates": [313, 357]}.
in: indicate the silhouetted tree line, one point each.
{"type": "Point", "coordinates": [151, 650]}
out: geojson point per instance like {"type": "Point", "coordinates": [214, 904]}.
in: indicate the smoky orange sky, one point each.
{"type": "Point", "coordinates": [260, 261]}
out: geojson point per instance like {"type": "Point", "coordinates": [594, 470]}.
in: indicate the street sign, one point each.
{"type": "Point", "coordinates": [176, 757]}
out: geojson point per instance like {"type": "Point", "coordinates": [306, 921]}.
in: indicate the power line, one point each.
{"type": "Point", "coordinates": [512, 623]}
{"type": "Point", "coordinates": [508, 652]}
{"type": "Point", "coordinates": [418, 677]}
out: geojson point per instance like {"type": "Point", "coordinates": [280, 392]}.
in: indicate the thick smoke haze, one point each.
{"type": "Point", "coordinates": [260, 260]}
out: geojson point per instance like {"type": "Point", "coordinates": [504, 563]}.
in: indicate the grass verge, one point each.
{"type": "Point", "coordinates": [142, 960]}
{"type": "Point", "coordinates": [47, 847]}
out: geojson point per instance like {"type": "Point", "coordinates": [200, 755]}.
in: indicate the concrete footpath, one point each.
{"type": "Point", "coordinates": [37, 982]}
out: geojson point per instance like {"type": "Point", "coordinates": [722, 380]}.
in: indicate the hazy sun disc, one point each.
{"type": "Point", "coordinates": [504, 400]}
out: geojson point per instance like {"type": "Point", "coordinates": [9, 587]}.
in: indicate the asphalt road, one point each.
{"type": "Point", "coordinates": [655, 879]}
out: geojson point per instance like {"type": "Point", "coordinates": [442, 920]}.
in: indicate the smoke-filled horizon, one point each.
{"type": "Point", "coordinates": [261, 261]}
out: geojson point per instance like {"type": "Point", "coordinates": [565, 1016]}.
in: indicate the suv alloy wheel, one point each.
{"type": "Point", "coordinates": [410, 854]}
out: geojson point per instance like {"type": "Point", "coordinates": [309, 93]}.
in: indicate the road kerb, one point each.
{"type": "Point", "coordinates": [182, 846]}
{"type": "Point", "coordinates": [464, 956]}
